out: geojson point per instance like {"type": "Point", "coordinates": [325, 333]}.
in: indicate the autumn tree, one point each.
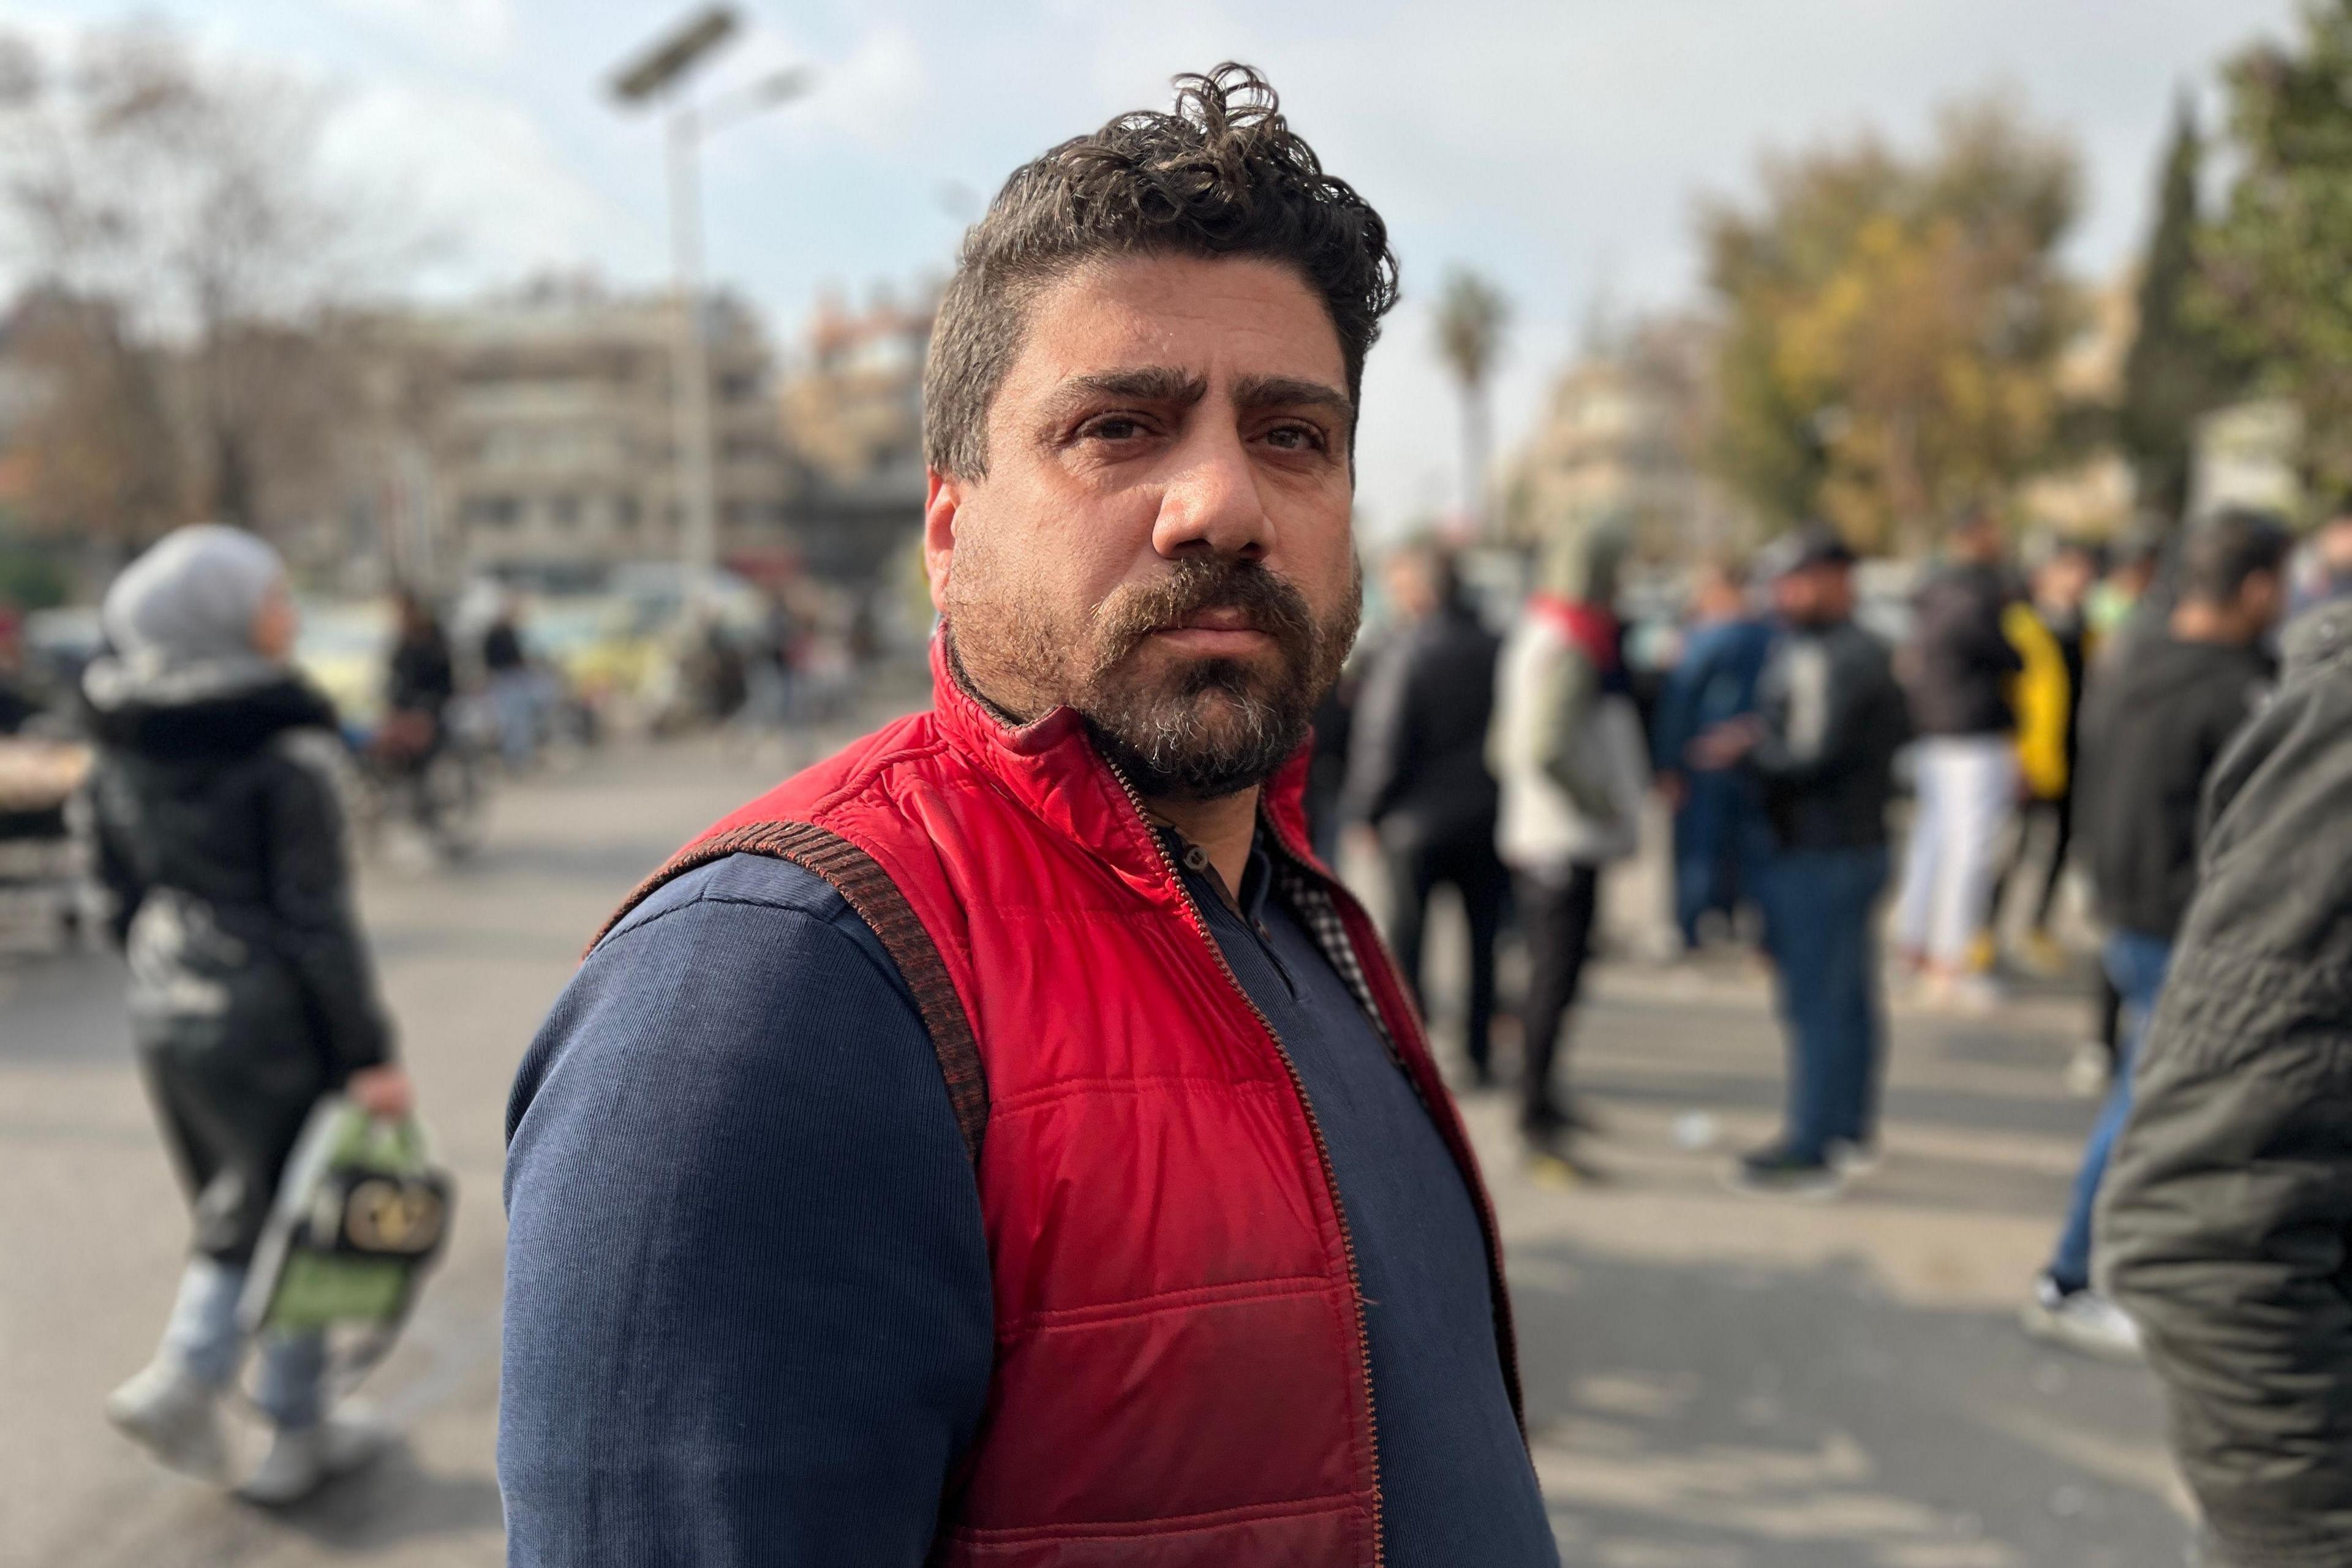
{"type": "Point", "coordinates": [183, 202]}
{"type": "Point", "coordinates": [1472, 314]}
{"type": "Point", "coordinates": [2274, 259]}
{"type": "Point", "coordinates": [1892, 325]}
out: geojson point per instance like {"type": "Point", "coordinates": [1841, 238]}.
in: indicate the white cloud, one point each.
{"type": "Point", "coordinates": [475, 30]}
{"type": "Point", "coordinates": [480, 171]}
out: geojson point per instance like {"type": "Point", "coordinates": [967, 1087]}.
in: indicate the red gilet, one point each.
{"type": "Point", "coordinates": [1181, 1373]}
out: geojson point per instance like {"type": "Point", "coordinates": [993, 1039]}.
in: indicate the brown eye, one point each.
{"type": "Point", "coordinates": [1296, 438]}
{"type": "Point", "coordinates": [1115, 427]}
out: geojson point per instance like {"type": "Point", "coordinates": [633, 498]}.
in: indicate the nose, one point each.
{"type": "Point", "coordinates": [1211, 505]}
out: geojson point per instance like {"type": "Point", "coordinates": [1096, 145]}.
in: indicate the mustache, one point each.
{"type": "Point", "coordinates": [1267, 603]}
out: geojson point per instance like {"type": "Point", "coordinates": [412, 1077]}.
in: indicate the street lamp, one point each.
{"type": "Point", "coordinates": [659, 74]}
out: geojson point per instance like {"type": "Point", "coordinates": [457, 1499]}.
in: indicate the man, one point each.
{"type": "Point", "coordinates": [1956, 670]}
{"type": "Point", "coordinates": [2154, 729]}
{"type": "Point", "coordinates": [1720, 840]}
{"type": "Point", "coordinates": [1567, 750]}
{"type": "Point", "coordinates": [2228, 1211]}
{"type": "Point", "coordinates": [1005, 1143]}
{"type": "Point", "coordinates": [513, 686]}
{"type": "Point", "coordinates": [1822, 743]}
{"type": "Point", "coordinates": [1417, 773]}
{"type": "Point", "coordinates": [2053, 644]}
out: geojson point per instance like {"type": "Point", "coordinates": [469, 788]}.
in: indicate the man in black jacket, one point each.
{"type": "Point", "coordinates": [1417, 772]}
{"type": "Point", "coordinates": [1957, 671]}
{"type": "Point", "coordinates": [1830, 720]}
{"type": "Point", "coordinates": [2226, 1218]}
{"type": "Point", "coordinates": [2152, 732]}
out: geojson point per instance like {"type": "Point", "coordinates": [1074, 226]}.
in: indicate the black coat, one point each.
{"type": "Point", "coordinates": [2154, 726]}
{"type": "Point", "coordinates": [1417, 755]}
{"type": "Point", "coordinates": [2225, 1221]}
{"type": "Point", "coordinates": [1832, 719]}
{"type": "Point", "coordinates": [1960, 661]}
{"type": "Point", "coordinates": [220, 836]}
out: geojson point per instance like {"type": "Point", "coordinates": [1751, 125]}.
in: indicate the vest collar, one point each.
{"type": "Point", "coordinates": [1051, 766]}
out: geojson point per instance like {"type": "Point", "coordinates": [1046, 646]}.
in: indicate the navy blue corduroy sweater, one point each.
{"type": "Point", "coordinates": [748, 1297]}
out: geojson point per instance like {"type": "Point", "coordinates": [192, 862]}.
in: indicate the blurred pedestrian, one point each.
{"type": "Point", "coordinates": [1004, 1141]}
{"type": "Point", "coordinates": [2154, 729]}
{"type": "Point", "coordinates": [1956, 670]}
{"type": "Point", "coordinates": [420, 682]}
{"type": "Point", "coordinates": [1822, 745]}
{"type": "Point", "coordinates": [2126, 602]}
{"type": "Point", "coordinates": [2053, 644]}
{"type": "Point", "coordinates": [512, 685]}
{"type": "Point", "coordinates": [1721, 840]}
{"type": "Point", "coordinates": [1567, 749]}
{"type": "Point", "coordinates": [251, 994]}
{"type": "Point", "coordinates": [1417, 775]}
{"type": "Point", "coordinates": [2227, 1214]}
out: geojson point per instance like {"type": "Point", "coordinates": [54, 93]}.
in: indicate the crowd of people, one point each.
{"type": "Point", "coordinates": [2065, 716]}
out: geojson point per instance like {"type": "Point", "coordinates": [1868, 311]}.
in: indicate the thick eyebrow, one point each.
{"type": "Point", "coordinates": [1290, 392]}
{"type": "Point", "coordinates": [1143, 384]}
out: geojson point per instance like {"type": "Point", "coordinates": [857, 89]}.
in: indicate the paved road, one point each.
{"type": "Point", "coordinates": [1713, 1381]}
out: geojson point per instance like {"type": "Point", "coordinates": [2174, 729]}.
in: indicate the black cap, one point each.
{"type": "Point", "coordinates": [1801, 549]}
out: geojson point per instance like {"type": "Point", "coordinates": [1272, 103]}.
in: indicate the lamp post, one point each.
{"type": "Point", "coordinates": [660, 73]}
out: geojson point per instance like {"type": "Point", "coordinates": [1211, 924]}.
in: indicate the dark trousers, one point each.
{"type": "Point", "coordinates": [1821, 917]}
{"type": "Point", "coordinates": [1558, 918]}
{"type": "Point", "coordinates": [2059, 815]}
{"type": "Point", "coordinates": [1470, 867]}
{"type": "Point", "coordinates": [1721, 843]}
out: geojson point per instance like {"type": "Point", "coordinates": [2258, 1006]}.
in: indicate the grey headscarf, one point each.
{"type": "Point", "coordinates": [184, 612]}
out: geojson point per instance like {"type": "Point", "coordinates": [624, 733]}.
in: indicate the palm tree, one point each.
{"type": "Point", "coordinates": [1470, 315]}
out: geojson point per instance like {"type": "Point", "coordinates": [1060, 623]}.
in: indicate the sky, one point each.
{"type": "Point", "coordinates": [1562, 148]}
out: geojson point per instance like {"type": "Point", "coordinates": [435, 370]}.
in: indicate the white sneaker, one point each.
{"type": "Point", "coordinates": [175, 1416]}
{"type": "Point", "coordinates": [2082, 1321]}
{"type": "Point", "coordinates": [2089, 1070]}
{"type": "Point", "coordinates": [1851, 1159]}
{"type": "Point", "coordinates": [302, 1460]}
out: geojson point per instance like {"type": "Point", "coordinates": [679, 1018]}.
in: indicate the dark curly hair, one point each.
{"type": "Point", "coordinates": [1221, 174]}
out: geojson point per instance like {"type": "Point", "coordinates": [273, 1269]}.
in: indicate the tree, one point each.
{"type": "Point", "coordinates": [2273, 263]}
{"type": "Point", "coordinates": [1892, 325]}
{"type": "Point", "coordinates": [1471, 316]}
{"type": "Point", "coordinates": [2175, 371]}
{"type": "Point", "coordinates": [185, 203]}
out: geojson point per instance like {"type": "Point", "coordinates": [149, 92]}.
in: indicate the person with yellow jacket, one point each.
{"type": "Point", "coordinates": [2053, 641]}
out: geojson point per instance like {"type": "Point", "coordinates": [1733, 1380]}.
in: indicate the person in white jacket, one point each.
{"type": "Point", "coordinates": [1567, 750]}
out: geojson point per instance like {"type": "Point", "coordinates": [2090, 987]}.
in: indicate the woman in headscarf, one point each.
{"type": "Point", "coordinates": [251, 995]}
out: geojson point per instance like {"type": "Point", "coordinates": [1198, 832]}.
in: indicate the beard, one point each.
{"type": "Point", "coordinates": [1188, 730]}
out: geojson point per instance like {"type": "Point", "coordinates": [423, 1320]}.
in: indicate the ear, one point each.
{"type": "Point", "coordinates": [942, 499]}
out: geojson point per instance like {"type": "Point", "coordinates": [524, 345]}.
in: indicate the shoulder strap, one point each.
{"type": "Point", "coordinates": [867, 890]}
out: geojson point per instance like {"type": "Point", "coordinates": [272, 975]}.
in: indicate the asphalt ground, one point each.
{"type": "Point", "coordinates": [1713, 1380]}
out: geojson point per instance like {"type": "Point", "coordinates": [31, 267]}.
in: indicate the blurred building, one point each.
{"type": "Point", "coordinates": [550, 431]}
{"type": "Point", "coordinates": [850, 405]}
{"type": "Point", "coordinates": [1623, 439]}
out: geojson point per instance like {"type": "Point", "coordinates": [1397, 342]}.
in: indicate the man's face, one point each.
{"type": "Point", "coordinates": [1163, 540]}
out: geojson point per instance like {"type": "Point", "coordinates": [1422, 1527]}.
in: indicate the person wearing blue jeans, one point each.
{"type": "Point", "coordinates": [1820, 747]}
{"type": "Point", "coordinates": [2153, 728]}
{"type": "Point", "coordinates": [1821, 908]}
{"type": "Point", "coordinates": [2135, 965]}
